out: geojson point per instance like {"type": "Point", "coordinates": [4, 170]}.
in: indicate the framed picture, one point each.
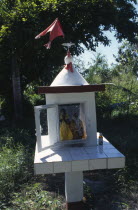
{"type": "Point", "coordinates": [71, 122]}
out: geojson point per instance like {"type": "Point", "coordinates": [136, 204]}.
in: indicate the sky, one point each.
{"type": "Point", "coordinates": [108, 51]}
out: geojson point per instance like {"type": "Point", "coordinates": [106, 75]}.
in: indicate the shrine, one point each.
{"type": "Point", "coordinates": [66, 130]}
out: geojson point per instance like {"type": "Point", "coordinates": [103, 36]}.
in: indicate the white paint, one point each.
{"type": "Point", "coordinates": [116, 162]}
{"type": "Point", "coordinates": [52, 120]}
{"type": "Point", "coordinates": [77, 154]}
{"type": "Point", "coordinates": [80, 165]}
{"type": "Point", "coordinates": [68, 59]}
{"type": "Point", "coordinates": [50, 139]}
{"type": "Point", "coordinates": [96, 164]}
{"type": "Point", "coordinates": [46, 168]}
{"type": "Point", "coordinates": [68, 78]}
{"type": "Point", "coordinates": [87, 100]}
{"type": "Point", "coordinates": [38, 132]}
{"type": "Point", "coordinates": [112, 155]}
{"type": "Point", "coordinates": [59, 167]}
{"type": "Point", "coordinates": [94, 154]}
{"type": "Point", "coordinates": [74, 186]}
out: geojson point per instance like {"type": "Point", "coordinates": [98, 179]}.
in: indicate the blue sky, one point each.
{"type": "Point", "coordinates": [88, 56]}
{"type": "Point", "coordinates": [108, 51]}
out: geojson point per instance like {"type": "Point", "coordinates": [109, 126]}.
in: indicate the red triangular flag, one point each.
{"type": "Point", "coordinates": [55, 30]}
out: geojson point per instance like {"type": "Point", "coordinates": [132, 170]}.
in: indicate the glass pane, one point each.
{"type": "Point", "coordinates": [43, 122]}
{"type": "Point", "coordinates": [71, 123]}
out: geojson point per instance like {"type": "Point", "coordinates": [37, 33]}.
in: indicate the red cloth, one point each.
{"type": "Point", "coordinates": [55, 30]}
{"type": "Point", "coordinates": [69, 67]}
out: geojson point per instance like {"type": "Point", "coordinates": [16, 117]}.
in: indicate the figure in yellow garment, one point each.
{"type": "Point", "coordinates": [65, 132]}
{"type": "Point", "coordinates": [77, 128]}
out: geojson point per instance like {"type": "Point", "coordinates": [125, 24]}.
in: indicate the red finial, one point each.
{"type": "Point", "coordinates": [68, 61]}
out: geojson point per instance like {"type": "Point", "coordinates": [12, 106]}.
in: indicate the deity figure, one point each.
{"type": "Point", "coordinates": [65, 131]}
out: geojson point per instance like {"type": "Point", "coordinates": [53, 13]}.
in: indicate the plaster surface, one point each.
{"type": "Point", "coordinates": [87, 100]}
{"type": "Point", "coordinates": [68, 78]}
{"type": "Point", "coordinates": [74, 181]}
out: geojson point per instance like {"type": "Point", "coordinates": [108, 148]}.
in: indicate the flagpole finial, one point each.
{"type": "Point", "coordinates": [68, 45]}
{"type": "Point", "coordinates": [68, 59]}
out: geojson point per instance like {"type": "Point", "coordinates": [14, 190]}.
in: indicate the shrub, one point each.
{"type": "Point", "coordinates": [11, 136]}
{"type": "Point", "coordinates": [15, 168]}
{"type": "Point", "coordinates": [34, 197]}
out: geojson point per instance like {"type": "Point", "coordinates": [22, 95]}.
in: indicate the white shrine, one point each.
{"type": "Point", "coordinates": [71, 143]}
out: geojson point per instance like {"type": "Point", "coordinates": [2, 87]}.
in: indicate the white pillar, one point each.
{"type": "Point", "coordinates": [74, 186]}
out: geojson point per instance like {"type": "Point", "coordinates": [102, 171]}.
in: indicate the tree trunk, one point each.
{"type": "Point", "coordinates": [16, 84]}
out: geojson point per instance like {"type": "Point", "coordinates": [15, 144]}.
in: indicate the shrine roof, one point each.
{"type": "Point", "coordinates": [71, 89]}
{"type": "Point", "coordinates": [68, 78]}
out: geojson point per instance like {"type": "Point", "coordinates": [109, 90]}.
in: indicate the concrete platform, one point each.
{"type": "Point", "coordinates": [77, 158]}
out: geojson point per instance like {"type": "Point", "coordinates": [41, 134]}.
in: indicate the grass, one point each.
{"type": "Point", "coordinates": [33, 197]}
{"type": "Point", "coordinates": [109, 189]}
{"type": "Point", "coordinates": [115, 193]}
{"type": "Point", "coordinates": [15, 169]}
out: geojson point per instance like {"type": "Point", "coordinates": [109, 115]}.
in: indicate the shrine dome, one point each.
{"type": "Point", "coordinates": [69, 76]}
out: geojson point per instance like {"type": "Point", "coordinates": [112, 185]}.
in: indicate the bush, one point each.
{"type": "Point", "coordinates": [15, 168]}
{"type": "Point", "coordinates": [11, 136]}
{"type": "Point", "coordinates": [34, 197]}
{"type": "Point", "coordinates": [31, 99]}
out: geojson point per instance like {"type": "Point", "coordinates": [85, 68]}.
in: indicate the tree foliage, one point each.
{"type": "Point", "coordinates": [82, 21]}
{"type": "Point", "coordinates": [121, 95]}
{"type": "Point", "coordinates": [99, 71]}
{"type": "Point", "coordinates": [127, 57]}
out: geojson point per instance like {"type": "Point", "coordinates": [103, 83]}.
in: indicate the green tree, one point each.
{"type": "Point", "coordinates": [82, 21]}
{"type": "Point", "coordinates": [125, 75]}
{"type": "Point", "coordinates": [99, 71]}
{"type": "Point", "coordinates": [121, 95]}
{"type": "Point", "coordinates": [127, 58]}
